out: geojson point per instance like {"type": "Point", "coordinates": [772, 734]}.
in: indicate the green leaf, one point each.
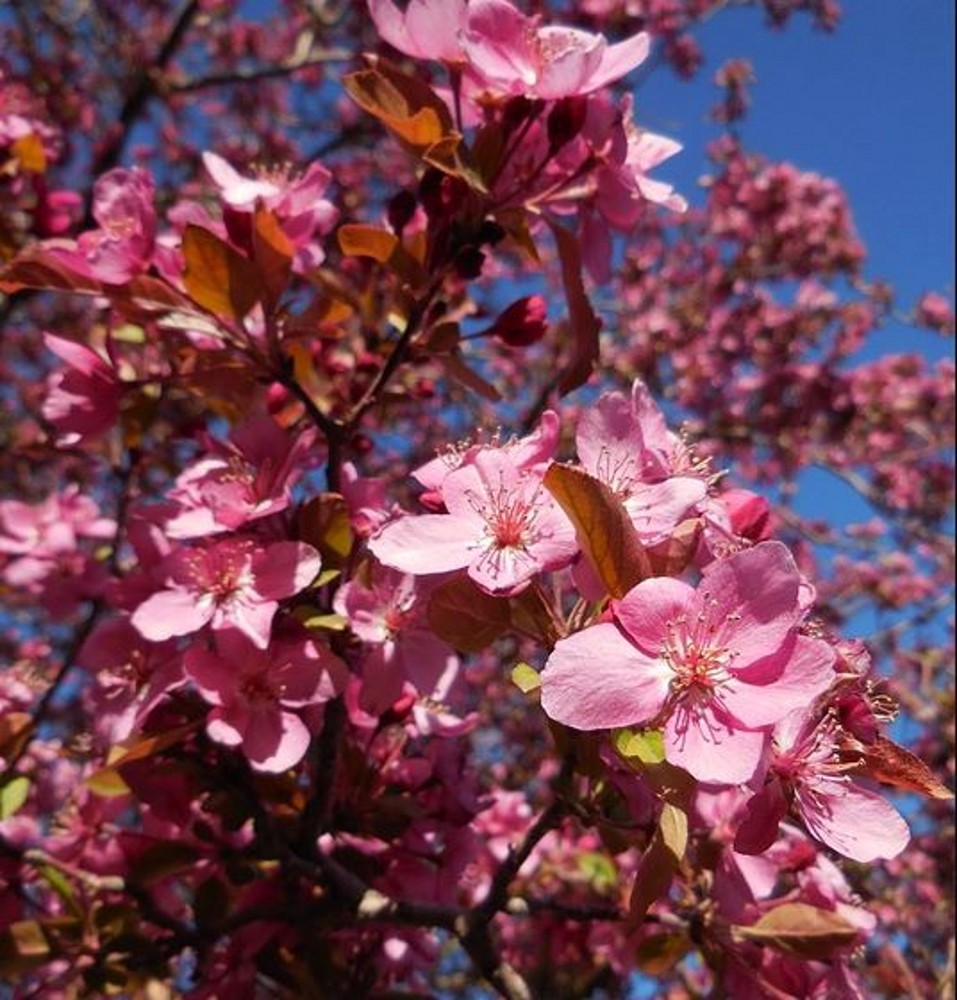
{"type": "Point", "coordinates": [330, 622]}
{"type": "Point", "coordinates": [60, 885]}
{"type": "Point", "coordinates": [645, 745]}
{"type": "Point", "coordinates": [526, 678]}
{"type": "Point", "coordinates": [13, 794]}
{"type": "Point", "coordinates": [604, 529]}
{"type": "Point", "coordinates": [600, 870]}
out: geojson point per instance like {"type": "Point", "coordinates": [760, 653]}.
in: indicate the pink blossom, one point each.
{"type": "Point", "coordinates": [122, 246]}
{"type": "Point", "coordinates": [83, 399]}
{"type": "Point", "coordinates": [234, 583]}
{"type": "Point", "coordinates": [529, 452]}
{"type": "Point", "coordinates": [259, 695]}
{"type": "Point", "coordinates": [389, 616]}
{"type": "Point", "coordinates": [715, 666]}
{"type": "Point", "coordinates": [622, 184]}
{"type": "Point", "coordinates": [511, 54]}
{"type": "Point", "coordinates": [812, 772]}
{"type": "Point", "coordinates": [502, 524]}
{"type": "Point", "coordinates": [625, 443]}
{"type": "Point", "coordinates": [44, 539]}
{"type": "Point", "coordinates": [249, 477]}
{"type": "Point", "coordinates": [132, 677]}
{"type": "Point", "coordinates": [297, 202]}
{"type": "Point", "coordinates": [427, 29]}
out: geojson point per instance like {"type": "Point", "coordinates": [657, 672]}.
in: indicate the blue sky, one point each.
{"type": "Point", "coordinates": [871, 105]}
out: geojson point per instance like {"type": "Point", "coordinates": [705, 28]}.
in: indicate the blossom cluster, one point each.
{"type": "Point", "coordinates": [282, 717]}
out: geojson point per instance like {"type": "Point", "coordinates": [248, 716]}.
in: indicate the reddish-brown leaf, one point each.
{"type": "Point", "coordinates": [894, 765]}
{"type": "Point", "coordinates": [357, 240]}
{"type": "Point", "coordinates": [604, 529]}
{"type": "Point", "coordinates": [217, 277]}
{"type": "Point", "coordinates": [465, 616]}
{"type": "Point", "coordinates": [659, 862]}
{"type": "Point", "coordinates": [407, 106]}
{"type": "Point", "coordinates": [584, 321]}
{"type": "Point", "coordinates": [273, 252]}
{"type": "Point", "coordinates": [36, 268]}
{"type": "Point", "coordinates": [672, 555]}
{"type": "Point", "coordinates": [802, 930]}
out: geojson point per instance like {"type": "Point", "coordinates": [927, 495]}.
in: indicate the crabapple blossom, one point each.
{"type": "Point", "coordinates": [264, 732]}
{"type": "Point", "coordinates": [246, 478]}
{"type": "Point", "coordinates": [262, 697]}
{"type": "Point", "coordinates": [233, 583]}
{"type": "Point", "coordinates": [812, 770]}
{"type": "Point", "coordinates": [716, 665]}
{"type": "Point", "coordinates": [624, 443]}
{"type": "Point", "coordinates": [512, 54]}
{"type": "Point", "coordinates": [502, 525]}
{"type": "Point", "coordinates": [82, 398]}
{"type": "Point", "coordinates": [297, 202]}
{"type": "Point", "coordinates": [389, 616]}
{"type": "Point", "coordinates": [122, 246]}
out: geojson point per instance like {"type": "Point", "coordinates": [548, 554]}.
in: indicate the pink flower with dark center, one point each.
{"type": "Point", "coordinates": [812, 773]}
{"type": "Point", "coordinates": [502, 524]}
{"type": "Point", "coordinates": [265, 700]}
{"type": "Point", "coordinates": [234, 583]}
{"type": "Point", "coordinates": [715, 667]}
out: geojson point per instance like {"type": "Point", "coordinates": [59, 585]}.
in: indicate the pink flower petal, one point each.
{"type": "Point", "coordinates": [275, 741]}
{"type": "Point", "coordinates": [646, 611]}
{"type": "Point", "coordinates": [853, 821]}
{"type": "Point", "coordinates": [596, 679]}
{"type": "Point", "coordinates": [769, 689]}
{"type": "Point", "coordinates": [171, 612]}
{"type": "Point", "coordinates": [285, 568]}
{"type": "Point", "coordinates": [710, 751]}
{"type": "Point", "coordinates": [618, 60]}
{"type": "Point", "coordinates": [753, 599]}
{"type": "Point", "coordinates": [429, 543]}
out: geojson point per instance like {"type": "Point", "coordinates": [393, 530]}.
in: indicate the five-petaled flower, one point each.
{"type": "Point", "coordinates": [716, 666]}
{"type": "Point", "coordinates": [265, 701]}
{"type": "Point", "coordinates": [234, 583]}
{"type": "Point", "coordinates": [501, 523]}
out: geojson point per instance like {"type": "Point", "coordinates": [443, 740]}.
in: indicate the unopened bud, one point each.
{"type": "Point", "coordinates": [524, 322]}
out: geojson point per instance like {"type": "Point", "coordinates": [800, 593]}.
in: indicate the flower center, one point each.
{"type": "Point", "coordinates": [222, 572]}
{"type": "Point", "coordinates": [256, 689]}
